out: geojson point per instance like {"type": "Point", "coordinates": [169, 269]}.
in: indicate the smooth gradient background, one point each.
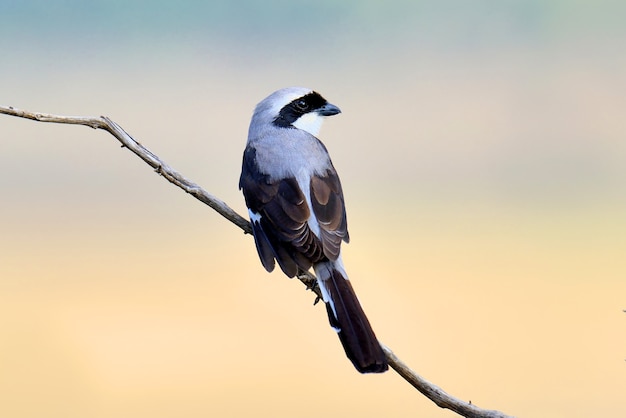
{"type": "Point", "coordinates": [482, 149]}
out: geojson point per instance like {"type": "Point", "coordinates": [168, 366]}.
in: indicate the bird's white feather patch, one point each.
{"type": "Point", "coordinates": [254, 217]}
{"type": "Point", "coordinates": [304, 182]}
{"type": "Point", "coordinates": [310, 122]}
{"type": "Point", "coordinates": [326, 298]}
{"type": "Point", "coordinates": [323, 271]}
{"type": "Point", "coordinates": [338, 263]}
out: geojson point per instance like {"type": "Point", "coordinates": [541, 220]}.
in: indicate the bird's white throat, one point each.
{"type": "Point", "coordinates": [309, 122]}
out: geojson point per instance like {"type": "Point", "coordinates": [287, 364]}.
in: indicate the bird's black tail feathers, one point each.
{"type": "Point", "coordinates": [348, 319]}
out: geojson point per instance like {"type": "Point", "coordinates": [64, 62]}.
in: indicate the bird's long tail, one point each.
{"type": "Point", "coordinates": [348, 319]}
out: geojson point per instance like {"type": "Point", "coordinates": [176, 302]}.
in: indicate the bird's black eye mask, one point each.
{"type": "Point", "coordinates": [300, 106]}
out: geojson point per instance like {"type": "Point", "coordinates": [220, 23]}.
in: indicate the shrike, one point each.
{"type": "Point", "coordinates": [297, 211]}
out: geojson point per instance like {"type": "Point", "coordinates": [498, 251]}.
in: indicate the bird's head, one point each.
{"type": "Point", "coordinates": [295, 107]}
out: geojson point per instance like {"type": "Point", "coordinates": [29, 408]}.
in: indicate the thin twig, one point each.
{"type": "Point", "coordinates": [431, 391]}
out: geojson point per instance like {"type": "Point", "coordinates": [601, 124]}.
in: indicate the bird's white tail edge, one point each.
{"type": "Point", "coordinates": [347, 318]}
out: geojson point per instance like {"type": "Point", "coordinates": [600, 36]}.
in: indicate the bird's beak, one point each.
{"type": "Point", "coordinates": [328, 110]}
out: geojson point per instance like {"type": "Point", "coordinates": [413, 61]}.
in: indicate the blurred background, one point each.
{"type": "Point", "coordinates": [483, 156]}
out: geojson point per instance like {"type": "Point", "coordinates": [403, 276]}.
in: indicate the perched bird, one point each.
{"type": "Point", "coordinates": [297, 211]}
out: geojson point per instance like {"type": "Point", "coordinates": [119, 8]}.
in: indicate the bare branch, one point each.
{"type": "Point", "coordinates": [142, 152]}
{"type": "Point", "coordinates": [431, 391]}
{"type": "Point", "coordinates": [435, 393]}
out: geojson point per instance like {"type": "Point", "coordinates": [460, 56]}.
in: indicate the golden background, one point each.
{"type": "Point", "coordinates": [483, 157]}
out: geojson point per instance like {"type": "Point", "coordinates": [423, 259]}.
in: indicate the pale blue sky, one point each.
{"type": "Point", "coordinates": [456, 24]}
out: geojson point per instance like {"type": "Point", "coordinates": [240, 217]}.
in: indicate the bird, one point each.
{"type": "Point", "coordinates": [296, 207]}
